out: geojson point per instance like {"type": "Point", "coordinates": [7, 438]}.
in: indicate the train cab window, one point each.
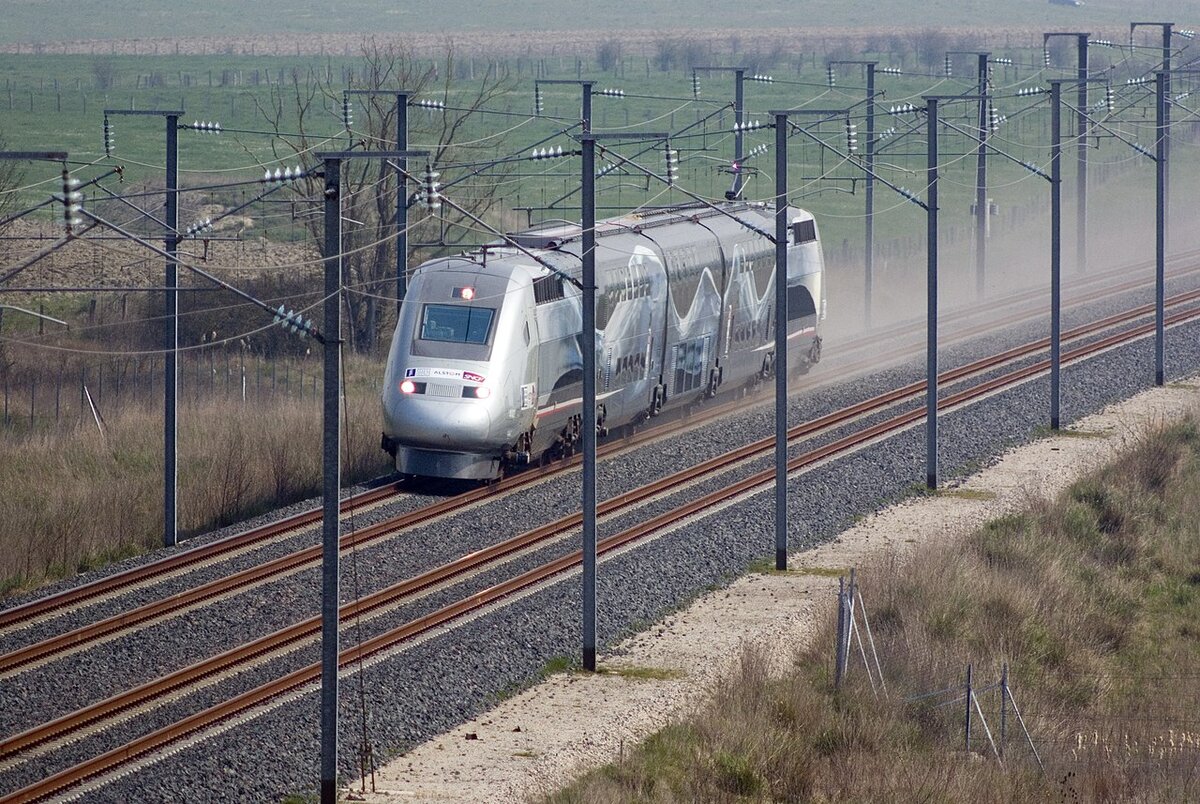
{"type": "Point", "coordinates": [456, 323]}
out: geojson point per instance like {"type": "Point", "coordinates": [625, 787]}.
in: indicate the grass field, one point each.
{"type": "Point", "coordinates": [57, 101]}
{"type": "Point", "coordinates": [236, 459]}
{"type": "Point", "coordinates": [1091, 600]}
{"type": "Point", "coordinates": [30, 20]}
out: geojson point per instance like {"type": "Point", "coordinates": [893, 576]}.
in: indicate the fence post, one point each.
{"type": "Point", "coordinates": [57, 394]}
{"type": "Point", "coordinates": [843, 648]}
{"type": "Point", "coordinates": [32, 397]}
{"type": "Point", "coordinates": [1003, 706]}
{"type": "Point", "coordinates": [968, 718]}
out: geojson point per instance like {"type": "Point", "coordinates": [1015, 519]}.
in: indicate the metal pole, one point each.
{"type": "Point", "coordinates": [981, 204]}
{"type": "Point", "coordinates": [171, 342]}
{"type": "Point", "coordinates": [1003, 707]}
{"type": "Point", "coordinates": [331, 486]}
{"type": "Point", "coordinates": [869, 246]}
{"type": "Point", "coordinates": [739, 106]}
{"type": "Point", "coordinates": [401, 201]}
{"type": "Point", "coordinates": [967, 746]}
{"type": "Point", "coordinates": [587, 107]}
{"type": "Point", "coordinates": [1160, 225]}
{"type": "Point", "coordinates": [1081, 174]}
{"type": "Point", "coordinates": [781, 333]}
{"type": "Point", "coordinates": [1055, 250]}
{"type": "Point", "coordinates": [588, 425]}
{"type": "Point", "coordinates": [1166, 128]}
{"type": "Point", "coordinates": [931, 284]}
{"type": "Point", "coordinates": [839, 662]}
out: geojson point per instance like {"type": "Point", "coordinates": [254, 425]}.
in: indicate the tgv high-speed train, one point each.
{"type": "Point", "coordinates": [485, 370]}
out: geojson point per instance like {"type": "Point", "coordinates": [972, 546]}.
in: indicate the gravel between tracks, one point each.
{"type": "Point", "coordinates": [439, 683]}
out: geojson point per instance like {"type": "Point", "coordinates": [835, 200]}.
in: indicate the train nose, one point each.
{"type": "Point", "coordinates": [445, 425]}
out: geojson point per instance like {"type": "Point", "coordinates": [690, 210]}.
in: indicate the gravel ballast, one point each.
{"type": "Point", "coordinates": [427, 688]}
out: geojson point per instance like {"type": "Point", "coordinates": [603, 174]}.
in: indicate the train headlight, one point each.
{"type": "Point", "coordinates": [483, 392]}
{"type": "Point", "coordinates": [466, 294]}
{"type": "Point", "coordinates": [408, 387]}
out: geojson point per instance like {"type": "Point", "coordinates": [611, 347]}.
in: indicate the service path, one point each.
{"type": "Point", "coordinates": [540, 739]}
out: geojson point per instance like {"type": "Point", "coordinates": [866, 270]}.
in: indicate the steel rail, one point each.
{"type": "Point", "coordinates": [397, 592]}
{"type": "Point", "coordinates": [217, 549]}
{"type": "Point", "coordinates": [260, 573]}
{"type": "Point", "coordinates": [181, 560]}
{"type": "Point", "coordinates": [299, 678]}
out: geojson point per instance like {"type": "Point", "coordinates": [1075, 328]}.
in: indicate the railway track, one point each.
{"type": "Point", "coordinates": [92, 633]}
{"type": "Point", "coordinates": [188, 560]}
{"type": "Point", "coordinates": [474, 562]}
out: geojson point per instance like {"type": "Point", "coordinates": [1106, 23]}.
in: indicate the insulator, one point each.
{"type": "Point", "coordinates": [695, 85]}
{"type": "Point", "coordinates": [831, 75]}
{"type": "Point", "coordinates": [109, 139]}
{"type": "Point", "coordinates": [671, 157]}
{"type": "Point", "coordinates": [888, 70]}
{"type": "Point", "coordinates": [537, 101]}
{"type": "Point", "coordinates": [72, 201]}
{"type": "Point", "coordinates": [431, 197]}
{"type": "Point", "coordinates": [347, 113]}
{"type": "Point", "coordinates": [949, 66]}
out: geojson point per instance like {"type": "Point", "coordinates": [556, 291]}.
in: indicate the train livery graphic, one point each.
{"type": "Point", "coordinates": [485, 370]}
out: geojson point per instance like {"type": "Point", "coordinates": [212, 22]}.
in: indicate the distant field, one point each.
{"type": "Point", "coordinates": [38, 21]}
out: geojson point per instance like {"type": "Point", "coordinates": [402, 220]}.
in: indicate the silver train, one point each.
{"type": "Point", "coordinates": [485, 368]}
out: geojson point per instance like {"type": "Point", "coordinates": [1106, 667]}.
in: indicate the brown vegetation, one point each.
{"type": "Point", "coordinates": [74, 499]}
{"type": "Point", "coordinates": [1091, 600]}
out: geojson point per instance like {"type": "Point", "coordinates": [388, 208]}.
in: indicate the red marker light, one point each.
{"type": "Point", "coordinates": [407, 387]}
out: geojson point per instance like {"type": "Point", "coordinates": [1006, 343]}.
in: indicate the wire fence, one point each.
{"type": "Point", "coordinates": [1159, 735]}
{"type": "Point", "coordinates": [47, 399]}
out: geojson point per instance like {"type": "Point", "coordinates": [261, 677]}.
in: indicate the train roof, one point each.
{"type": "Point", "coordinates": [554, 234]}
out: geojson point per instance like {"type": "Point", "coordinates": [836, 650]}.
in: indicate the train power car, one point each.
{"type": "Point", "coordinates": [485, 370]}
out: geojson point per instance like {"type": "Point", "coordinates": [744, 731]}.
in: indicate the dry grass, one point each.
{"type": "Point", "coordinates": [1092, 600]}
{"type": "Point", "coordinates": [74, 500]}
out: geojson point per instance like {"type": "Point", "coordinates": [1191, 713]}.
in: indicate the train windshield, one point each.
{"type": "Point", "coordinates": [456, 324]}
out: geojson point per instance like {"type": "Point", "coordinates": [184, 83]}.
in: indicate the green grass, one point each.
{"type": "Point", "coordinates": [35, 120]}
{"type": "Point", "coordinates": [766, 566]}
{"type": "Point", "coordinates": [641, 672]}
{"type": "Point", "coordinates": [968, 494]}
{"type": "Point", "coordinates": [27, 21]}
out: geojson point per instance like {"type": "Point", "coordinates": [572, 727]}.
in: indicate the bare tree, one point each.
{"type": "Point", "coordinates": [608, 54]}
{"type": "Point", "coordinates": [930, 46]}
{"type": "Point", "coordinates": [312, 107]}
